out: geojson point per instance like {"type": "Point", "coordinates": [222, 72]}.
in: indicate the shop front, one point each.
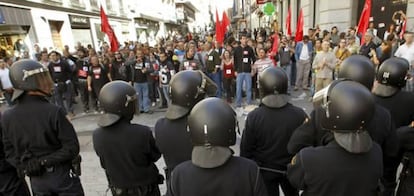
{"type": "Point", "coordinates": [81, 29]}
{"type": "Point", "coordinates": [17, 32]}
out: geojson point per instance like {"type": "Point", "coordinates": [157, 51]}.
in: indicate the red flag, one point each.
{"type": "Point", "coordinates": [224, 24]}
{"type": "Point", "coordinates": [288, 28]}
{"type": "Point", "coordinates": [364, 19]}
{"type": "Point", "coordinates": [404, 27]}
{"type": "Point", "coordinates": [275, 45]}
{"type": "Point", "coordinates": [107, 29]}
{"type": "Point", "coordinates": [219, 30]}
{"type": "Point", "coordinates": [299, 28]}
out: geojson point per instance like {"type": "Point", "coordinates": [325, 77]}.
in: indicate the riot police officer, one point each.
{"type": "Point", "coordinates": [213, 169]}
{"type": "Point", "coordinates": [40, 146]}
{"type": "Point", "coordinates": [10, 182]}
{"type": "Point", "coordinates": [186, 89]}
{"type": "Point", "coordinates": [390, 79]}
{"type": "Point", "coordinates": [381, 128]}
{"type": "Point", "coordinates": [268, 130]}
{"type": "Point", "coordinates": [127, 151]}
{"type": "Point", "coordinates": [350, 163]}
{"type": "Point", "coordinates": [406, 178]}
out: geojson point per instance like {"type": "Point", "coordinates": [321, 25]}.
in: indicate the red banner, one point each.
{"type": "Point", "coordinates": [364, 19]}
{"type": "Point", "coordinates": [288, 27]}
{"type": "Point", "coordinates": [299, 28]}
{"type": "Point", "coordinates": [107, 29]}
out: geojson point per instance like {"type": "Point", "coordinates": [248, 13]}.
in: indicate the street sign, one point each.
{"type": "Point", "coordinates": [269, 9]}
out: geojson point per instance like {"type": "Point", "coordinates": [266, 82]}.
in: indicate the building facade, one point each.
{"type": "Point", "coordinates": [55, 23]}
{"type": "Point", "coordinates": [324, 13]}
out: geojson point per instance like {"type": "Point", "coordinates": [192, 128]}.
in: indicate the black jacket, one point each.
{"type": "Point", "coordinates": [127, 153]}
{"type": "Point", "coordinates": [243, 59]}
{"type": "Point", "coordinates": [174, 141]}
{"type": "Point", "coordinates": [381, 129]}
{"type": "Point", "coordinates": [331, 170]}
{"type": "Point", "coordinates": [48, 136]}
{"type": "Point", "coordinates": [401, 107]}
{"type": "Point", "coordinates": [237, 177]}
{"type": "Point", "coordinates": [267, 133]}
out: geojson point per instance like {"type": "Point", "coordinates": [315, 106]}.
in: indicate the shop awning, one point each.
{"type": "Point", "coordinates": [13, 29]}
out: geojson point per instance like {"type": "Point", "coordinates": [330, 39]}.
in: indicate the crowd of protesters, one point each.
{"type": "Point", "coordinates": [234, 65]}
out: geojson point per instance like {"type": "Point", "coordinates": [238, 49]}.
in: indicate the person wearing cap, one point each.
{"type": "Point", "coordinates": [268, 130]}
{"type": "Point", "coordinates": [213, 170]}
{"type": "Point", "coordinates": [43, 147]}
{"type": "Point", "coordinates": [381, 128]}
{"type": "Point", "coordinates": [186, 89]}
{"type": "Point", "coordinates": [368, 44]}
{"type": "Point", "coordinates": [351, 162]}
{"type": "Point", "coordinates": [127, 151]}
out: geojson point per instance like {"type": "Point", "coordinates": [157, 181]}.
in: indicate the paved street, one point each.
{"type": "Point", "coordinates": [93, 177]}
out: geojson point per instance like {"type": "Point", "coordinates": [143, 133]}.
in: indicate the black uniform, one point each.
{"type": "Point", "coordinates": [173, 140]}
{"type": "Point", "coordinates": [238, 176]}
{"type": "Point", "coordinates": [331, 170]}
{"type": "Point", "coordinates": [127, 153]}
{"type": "Point", "coordinates": [264, 141]}
{"type": "Point", "coordinates": [401, 107]}
{"type": "Point", "coordinates": [49, 137]}
{"type": "Point", "coordinates": [406, 140]}
{"type": "Point", "coordinates": [380, 128]}
{"type": "Point", "coordinates": [10, 182]}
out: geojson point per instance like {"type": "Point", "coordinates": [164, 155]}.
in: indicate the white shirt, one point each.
{"type": "Point", "coordinates": [304, 55]}
{"type": "Point", "coordinates": [406, 52]}
{"type": "Point", "coordinates": [5, 78]}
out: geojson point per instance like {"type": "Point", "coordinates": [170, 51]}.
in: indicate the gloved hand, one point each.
{"type": "Point", "coordinates": [34, 167]}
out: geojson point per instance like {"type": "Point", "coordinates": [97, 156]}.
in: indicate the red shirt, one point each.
{"type": "Point", "coordinates": [228, 70]}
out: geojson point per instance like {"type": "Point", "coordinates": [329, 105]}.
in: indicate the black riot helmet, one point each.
{"type": "Point", "coordinates": [346, 106]}
{"type": "Point", "coordinates": [212, 125]}
{"type": "Point", "coordinates": [29, 75]}
{"type": "Point", "coordinates": [118, 99]}
{"type": "Point", "coordinates": [391, 76]}
{"type": "Point", "coordinates": [186, 89]}
{"type": "Point", "coordinates": [273, 85]}
{"type": "Point", "coordinates": [358, 68]}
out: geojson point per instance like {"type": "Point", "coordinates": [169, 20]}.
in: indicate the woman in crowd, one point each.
{"type": "Point", "coordinates": [228, 75]}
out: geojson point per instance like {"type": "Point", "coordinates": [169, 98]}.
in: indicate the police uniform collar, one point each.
{"type": "Point", "coordinates": [275, 100]}
{"type": "Point", "coordinates": [27, 97]}
{"type": "Point", "coordinates": [383, 90]}
{"type": "Point", "coordinates": [210, 156]}
{"type": "Point", "coordinates": [355, 142]}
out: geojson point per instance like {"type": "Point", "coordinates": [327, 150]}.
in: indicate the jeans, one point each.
{"type": "Point", "coordinates": [63, 96]}
{"type": "Point", "coordinates": [288, 70]}
{"type": "Point", "coordinates": [247, 78]}
{"type": "Point", "coordinates": [216, 77]}
{"type": "Point", "coordinates": [143, 98]}
{"type": "Point", "coordinates": [165, 91]}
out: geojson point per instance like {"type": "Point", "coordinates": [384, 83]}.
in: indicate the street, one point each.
{"type": "Point", "coordinates": [93, 178]}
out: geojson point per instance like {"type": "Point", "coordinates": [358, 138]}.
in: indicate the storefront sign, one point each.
{"type": "Point", "coordinates": [79, 22]}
